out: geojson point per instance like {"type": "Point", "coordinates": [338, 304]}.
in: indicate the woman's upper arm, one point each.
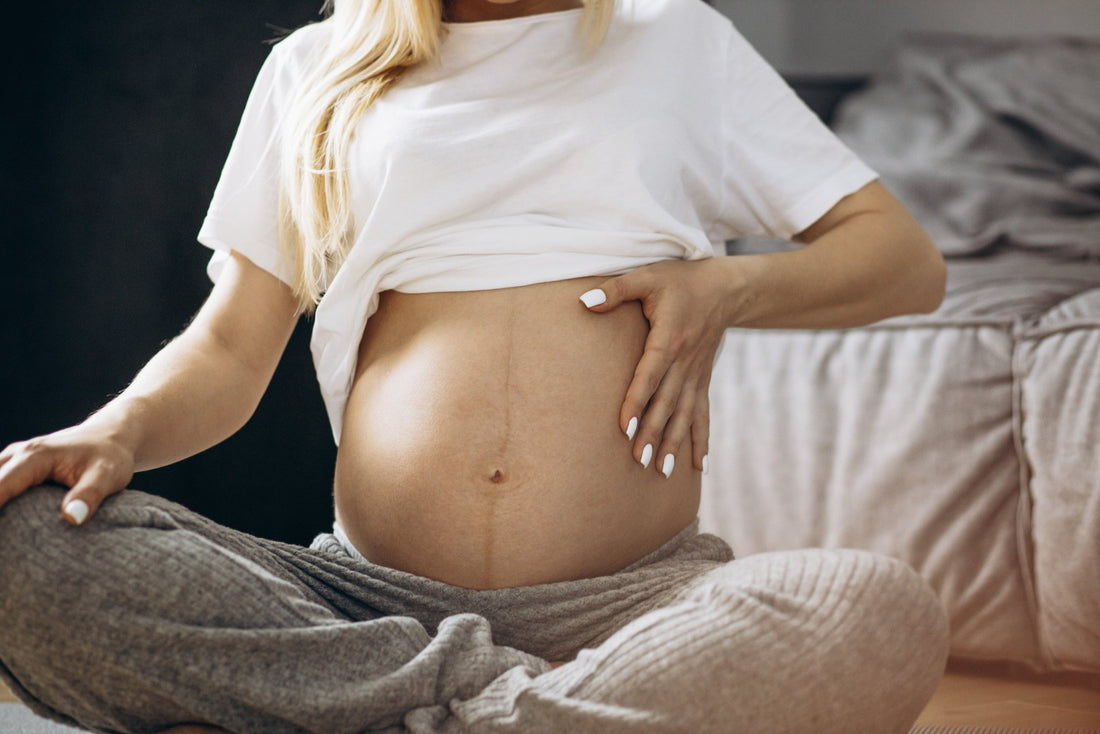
{"type": "Point", "coordinates": [872, 229]}
{"type": "Point", "coordinates": [874, 197]}
{"type": "Point", "coordinates": [250, 313]}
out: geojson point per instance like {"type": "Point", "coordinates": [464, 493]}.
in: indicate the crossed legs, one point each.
{"type": "Point", "coordinates": [151, 616]}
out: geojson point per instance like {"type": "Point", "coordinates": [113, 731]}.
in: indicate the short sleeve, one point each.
{"type": "Point", "coordinates": [782, 168]}
{"type": "Point", "coordinates": [243, 212]}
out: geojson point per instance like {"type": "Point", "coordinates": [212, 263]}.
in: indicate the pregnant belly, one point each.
{"type": "Point", "coordinates": [481, 443]}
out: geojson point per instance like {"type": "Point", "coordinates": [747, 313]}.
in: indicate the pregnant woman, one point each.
{"type": "Point", "coordinates": [503, 216]}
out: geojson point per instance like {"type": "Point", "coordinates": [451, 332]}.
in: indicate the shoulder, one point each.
{"type": "Point", "coordinates": [699, 32]}
{"type": "Point", "coordinates": [294, 51]}
{"type": "Point", "coordinates": [676, 15]}
{"type": "Point", "coordinates": [288, 62]}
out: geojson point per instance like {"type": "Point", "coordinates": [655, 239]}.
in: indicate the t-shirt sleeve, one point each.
{"type": "Point", "coordinates": [243, 212]}
{"type": "Point", "coordinates": [782, 168]}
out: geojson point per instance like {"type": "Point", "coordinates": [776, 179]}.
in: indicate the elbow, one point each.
{"type": "Point", "coordinates": [928, 283]}
{"type": "Point", "coordinates": [920, 267]}
{"type": "Point", "coordinates": [919, 271]}
{"type": "Point", "coordinates": [930, 276]}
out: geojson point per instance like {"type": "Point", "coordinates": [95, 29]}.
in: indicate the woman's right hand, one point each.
{"type": "Point", "coordinates": [85, 458]}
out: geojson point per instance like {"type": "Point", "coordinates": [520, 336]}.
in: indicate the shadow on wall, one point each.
{"type": "Point", "coordinates": [124, 116]}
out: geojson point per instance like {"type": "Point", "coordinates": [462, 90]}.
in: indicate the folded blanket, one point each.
{"type": "Point", "coordinates": [989, 142]}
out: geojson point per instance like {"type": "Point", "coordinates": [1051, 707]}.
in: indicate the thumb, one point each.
{"type": "Point", "coordinates": [614, 291]}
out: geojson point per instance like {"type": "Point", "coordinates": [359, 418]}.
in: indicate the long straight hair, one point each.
{"type": "Point", "coordinates": [369, 44]}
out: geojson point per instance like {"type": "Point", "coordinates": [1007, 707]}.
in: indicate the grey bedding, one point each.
{"type": "Point", "coordinates": [991, 143]}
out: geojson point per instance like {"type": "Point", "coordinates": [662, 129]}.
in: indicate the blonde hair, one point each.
{"type": "Point", "coordinates": [368, 47]}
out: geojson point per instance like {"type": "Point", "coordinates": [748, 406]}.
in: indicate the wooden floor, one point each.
{"type": "Point", "coordinates": [974, 695]}
{"type": "Point", "coordinates": [975, 698]}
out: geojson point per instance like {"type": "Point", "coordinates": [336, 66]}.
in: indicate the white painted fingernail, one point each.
{"type": "Point", "coordinates": [706, 463]}
{"type": "Point", "coordinates": [593, 297]}
{"type": "Point", "coordinates": [77, 510]}
{"type": "Point", "coordinates": [666, 467]}
{"type": "Point", "coordinates": [647, 455]}
{"type": "Point", "coordinates": [631, 427]}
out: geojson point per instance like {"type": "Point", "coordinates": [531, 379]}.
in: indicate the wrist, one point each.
{"type": "Point", "coordinates": [119, 422]}
{"type": "Point", "coordinates": [738, 280]}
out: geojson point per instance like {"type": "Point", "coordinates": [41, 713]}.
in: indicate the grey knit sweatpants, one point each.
{"type": "Point", "coordinates": [151, 615]}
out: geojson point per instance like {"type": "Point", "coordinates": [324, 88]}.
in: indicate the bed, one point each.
{"type": "Point", "coordinates": [967, 441]}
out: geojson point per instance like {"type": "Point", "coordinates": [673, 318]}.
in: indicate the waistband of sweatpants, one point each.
{"type": "Point", "coordinates": [666, 550]}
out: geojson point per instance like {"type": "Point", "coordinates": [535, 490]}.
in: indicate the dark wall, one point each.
{"type": "Point", "coordinates": [123, 113]}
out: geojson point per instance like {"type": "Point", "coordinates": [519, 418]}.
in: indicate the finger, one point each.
{"type": "Point", "coordinates": [662, 349]}
{"type": "Point", "coordinates": [88, 493]}
{"type": "Point", "coordinates": [13, 451]}
{"type": "Point", "coordinates": [654, 364]}
{"type": "Point", "coordinates": [614, 291]}
{"type": "Point", "coordinates": [653, 424]}
{"type": "Point", "coordinates": [700, 430]}
{"type": "Point", "coordinates": [676, 431]}
{"type": "Point", "coordinates": [25, 468]}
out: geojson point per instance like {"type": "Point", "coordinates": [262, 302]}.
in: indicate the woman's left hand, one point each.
{"type": "Point", "coordinates": [688, 305]}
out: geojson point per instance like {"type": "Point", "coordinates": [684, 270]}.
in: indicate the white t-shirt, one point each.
{"type": "Point", "coordinates": [514, 160]}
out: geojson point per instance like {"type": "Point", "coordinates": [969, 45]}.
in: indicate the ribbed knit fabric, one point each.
{"type": "Point", "coordinates": [151, 615]}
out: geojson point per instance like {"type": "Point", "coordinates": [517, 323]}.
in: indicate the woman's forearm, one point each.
{"type": "Point", "coordinates": [868, 265]}
{"type": "Point", "coordinates": [206, 383]}
{"type": "Point", "coordinates": [192, 395]}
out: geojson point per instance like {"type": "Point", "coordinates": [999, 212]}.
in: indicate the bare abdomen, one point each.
{"type": "Point", "coordinates": [481, 444]}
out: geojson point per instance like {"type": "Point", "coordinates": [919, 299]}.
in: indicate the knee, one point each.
{"type": "Point", "coordinates": [30, 508]}
{"type": "Point", "coordinates": [838, 591]}
{"type": "Point", "coordinates": [32, 531]}
{"type": "Point", "coordinates": [45, 561]}
{"type": "Point", "coordinates": [895, 603]}
{"type": "Point", "coordinates": [31, 525]}
{"type": "Point", "coordinates": [27, 521]}
{"type": "Point", "coordinates": [41, 553]}
{"type": "Point", "coordinates": [886, 601]}
{"type": "Point", "coordinates": [850, 621]}
{"type": "Point", "coordinates": [899, 631]}
{"type": "Point", "coordinates": [886, 634]}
